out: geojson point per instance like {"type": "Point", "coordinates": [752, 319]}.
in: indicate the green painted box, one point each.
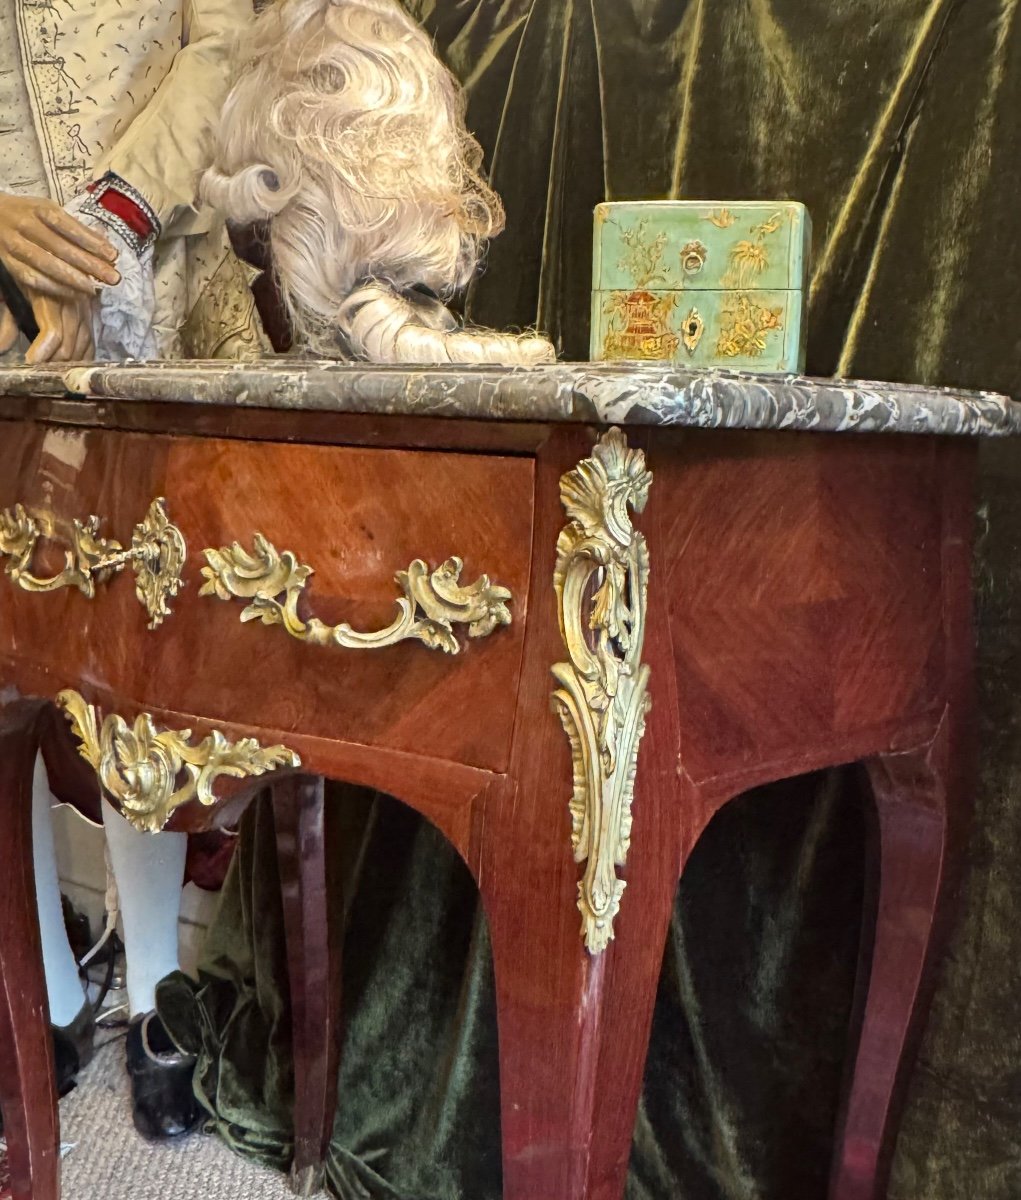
{"type": "Point", "coordinates": [708, 284]}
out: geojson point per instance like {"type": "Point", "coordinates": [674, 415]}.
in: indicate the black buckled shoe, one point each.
{"type": "Point", "coordinates": [162, 1099]}
{"type": "Point", "coordinates": [73, 1048]}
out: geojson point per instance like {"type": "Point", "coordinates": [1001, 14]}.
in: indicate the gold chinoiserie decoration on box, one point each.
{"type": "Point", "coordinates": [639, 319]}
{"type": "Point", "coordinates": [157, 555]}
{"type": "Point", "coordinates": [149, 774]}
{"type": "Point", "coordinates": [601, 581]}
{"type": "Point", "coordinates": [432, 604]}
{"type": "Point", "coordinates": [746, 326]}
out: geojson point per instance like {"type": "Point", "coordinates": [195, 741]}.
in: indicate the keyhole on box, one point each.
{"type": "Point", "coordinates": [692, 330]}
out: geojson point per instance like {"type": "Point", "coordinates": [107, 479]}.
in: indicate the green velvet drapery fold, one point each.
{"type": "Point", "coordinates": [895, 121]}
{"type": "Point", "coordinates": [898, 122]}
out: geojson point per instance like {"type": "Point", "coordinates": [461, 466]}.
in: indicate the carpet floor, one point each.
{"type": "Point", "coordinates": [107, 1159]}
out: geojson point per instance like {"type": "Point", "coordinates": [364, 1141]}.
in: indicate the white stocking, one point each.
{"type": "Point", "coordinates": [63, 985]}
{"type": "Point", "coordinates": [149, 869]}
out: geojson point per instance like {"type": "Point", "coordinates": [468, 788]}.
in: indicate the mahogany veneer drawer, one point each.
{"type": "Point", "coordinates": [356, 516]}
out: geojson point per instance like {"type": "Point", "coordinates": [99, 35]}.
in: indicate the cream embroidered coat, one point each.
{"type": "Point", "coordinates": [134, 86]}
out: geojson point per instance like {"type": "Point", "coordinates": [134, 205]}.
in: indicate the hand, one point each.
{"type": "Point", "coordinates": [65, 329]}
{"type": "Point", "coordinates": [49, 252]}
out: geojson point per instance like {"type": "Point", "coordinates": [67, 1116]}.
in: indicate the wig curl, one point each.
{"type": "Point", "coordinates": [347, 134]}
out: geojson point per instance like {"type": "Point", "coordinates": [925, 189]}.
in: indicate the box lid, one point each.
{"type": "Point", "coordinates": [696, 245]}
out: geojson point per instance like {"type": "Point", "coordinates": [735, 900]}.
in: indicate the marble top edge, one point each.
{"type": "Point", "coordinates": [617, 393]}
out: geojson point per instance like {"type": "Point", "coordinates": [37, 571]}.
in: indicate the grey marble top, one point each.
{"type": "Point", "coordinates": [619, 393]}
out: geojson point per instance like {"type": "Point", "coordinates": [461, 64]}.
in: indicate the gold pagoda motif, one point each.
{"type": "Point", "coordinates": [639, 326]}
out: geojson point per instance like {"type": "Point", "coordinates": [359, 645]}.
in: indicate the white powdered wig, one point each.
{"type": "Point", "coordinates": [347, 133]}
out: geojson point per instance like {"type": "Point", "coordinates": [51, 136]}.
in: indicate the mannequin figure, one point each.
{"type": "Point", "coordinates": [107, 118]}
{"type": "Point", "coordinates": [346, 133]}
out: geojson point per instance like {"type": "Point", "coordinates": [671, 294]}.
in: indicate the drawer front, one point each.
{"type": "Point", "coordinates": [357, 517]}
{"type": "Point", "coordinates": [741, 331]}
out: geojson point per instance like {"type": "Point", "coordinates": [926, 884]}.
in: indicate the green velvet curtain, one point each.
{"type": "Point", "coordinates": [898, 122]}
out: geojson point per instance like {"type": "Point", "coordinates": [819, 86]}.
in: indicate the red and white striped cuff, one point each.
{"type": "Point", "coordinates": [116, 203]}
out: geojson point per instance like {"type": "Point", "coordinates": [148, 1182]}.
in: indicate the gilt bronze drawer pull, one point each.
{"type": "Point", "coordinates": [432, 604]}
{"type": "Point", "coordinates": [157, 555]}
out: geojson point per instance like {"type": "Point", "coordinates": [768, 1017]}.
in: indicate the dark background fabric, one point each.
{"type": "Point", "coordinates": [897, 123]}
